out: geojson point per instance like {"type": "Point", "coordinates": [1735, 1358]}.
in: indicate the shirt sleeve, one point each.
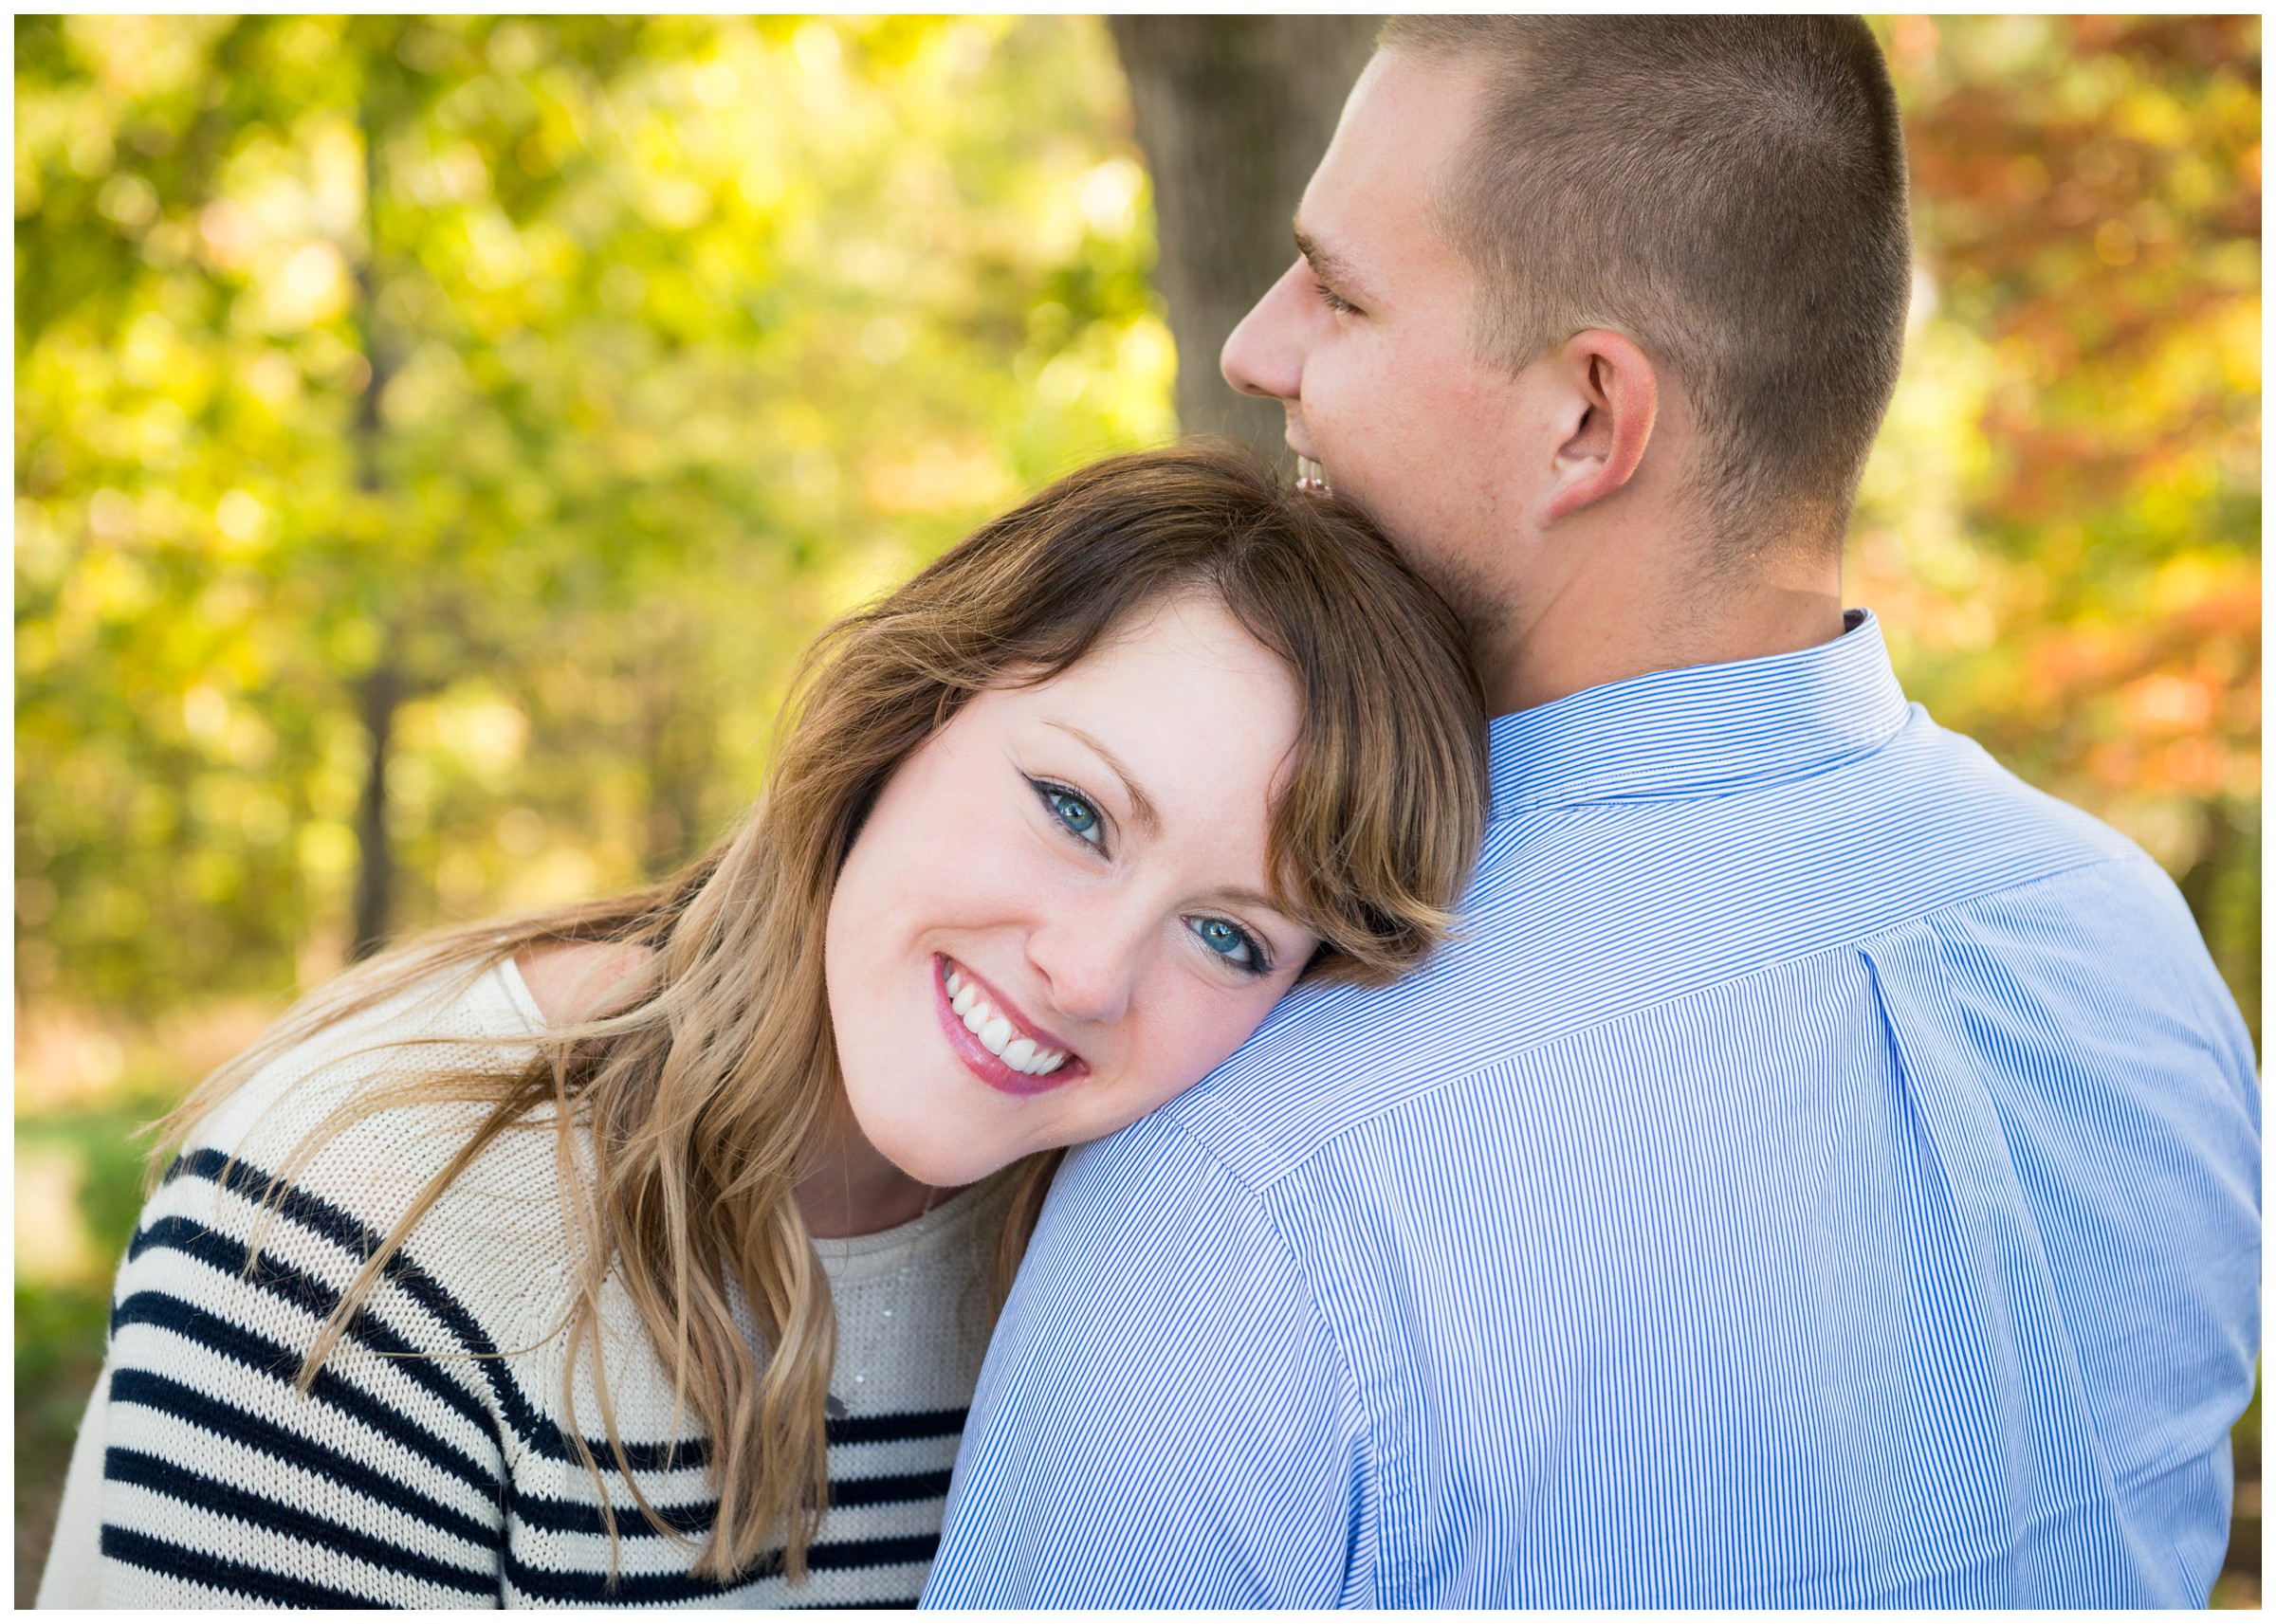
{"type": "Point", "coordinates": [1165, 1419]}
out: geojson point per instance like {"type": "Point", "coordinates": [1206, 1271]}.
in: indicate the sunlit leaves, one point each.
{"type": "Point", "coordinates": [2061, 525]}
{"type": "Point", "coordinates": [687, 333]}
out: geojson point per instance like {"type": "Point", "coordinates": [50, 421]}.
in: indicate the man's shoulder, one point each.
{"type": "Point", "coordinates": [1594, 913]}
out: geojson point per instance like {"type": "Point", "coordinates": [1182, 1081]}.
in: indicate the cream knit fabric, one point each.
{"type": "Point", "coordinates": [202, 1478]}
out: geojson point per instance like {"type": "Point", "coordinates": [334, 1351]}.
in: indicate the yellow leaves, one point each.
{"type": "Point", "coordinates": [326, 852]}
{"type": "Point", "coordinates": [309, 286]}
{"type": "Point", "coordinates": [520, 831]}
{"type": "Point", "coordinates": [1062, 380]}
{"type": "Point", "coordinates": [228, 231]}
{"type": "Point", "coordinates": [514, 48]}
{"type": "Point", "coordinates": [1109, 197]}
{"type": "Point", "coordinates": [441, 175]}
{"type": "Point", "coordinates": [52, 1245]}
{"type": "Point", "coordinates": [2234, 340]}
{"type": "Point", "coordinates": [109, 586]}
{"type": "Point", "coordinates": [674, 202]}
{"type": "Point", "coordinates": [129, 202]}
{"type": "Point", "coordinates": [817, 49]}
{"type": "Point", "coordinates": [142, 56]}
{"type": "Point", "coordinates": [432, 384]}
{"type": "Point", "coordinates": [941, 477]}
{"type": "Point", "coordinates": [110, 516]}
{"type": "Point", "coordinates": [205, 712]}
{"type": "Point", "coordinates": [713, 83]}
{"type": "Point", "coordinates": [484, 733]}
{"type": "Point", "coordinates": [245, 521]}
{"type": "Point", "coordinates": [494, 255]}
{"type": "Point", "coordinates": [231, 733]}
{"type": "Point", "coordinates": [334, 177]}
{"type": "Point", "coordinates": [275, 377]}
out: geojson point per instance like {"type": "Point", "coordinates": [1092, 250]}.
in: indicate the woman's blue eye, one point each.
{"type": "Point", "coordinates": [1230, 942]}
{"type": "Point", "coordinates": [1079, 814]}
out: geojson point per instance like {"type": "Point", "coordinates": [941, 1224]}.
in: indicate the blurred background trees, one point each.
{"type": "Point", "coordinates": [435, 438]}
{"type": "Point", "coordinates": [1232, 113]}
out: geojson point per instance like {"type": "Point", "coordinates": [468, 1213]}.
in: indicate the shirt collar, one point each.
{"type": "Point", "coordinates": [1702, 730]}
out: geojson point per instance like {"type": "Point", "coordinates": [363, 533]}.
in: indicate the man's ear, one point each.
{"type": "Point", "coordinates": [1612, 399]}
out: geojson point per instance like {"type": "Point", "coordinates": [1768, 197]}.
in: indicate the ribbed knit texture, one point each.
{"type": "Point", "coordinates": [203, 1478]}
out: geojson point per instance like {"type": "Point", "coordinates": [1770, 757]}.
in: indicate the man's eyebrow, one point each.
{"type": "Point", "coordinates": [1141, 806]}
{"type": "Point", "coordinates": [1325, 263]}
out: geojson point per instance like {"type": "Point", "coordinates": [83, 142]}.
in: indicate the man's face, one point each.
{"type": "Point", "coordinates": [1367, 340]}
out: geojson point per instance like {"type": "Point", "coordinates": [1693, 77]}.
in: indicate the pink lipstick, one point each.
{"type": "Point", "coordinates": [978, 1059]}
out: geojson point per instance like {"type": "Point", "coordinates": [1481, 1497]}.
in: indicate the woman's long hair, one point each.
{"type": "Point", "coordinates": [705, 1087]}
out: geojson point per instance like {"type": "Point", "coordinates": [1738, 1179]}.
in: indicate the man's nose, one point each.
{"type": "Point", "coordinates": [1264, 354]}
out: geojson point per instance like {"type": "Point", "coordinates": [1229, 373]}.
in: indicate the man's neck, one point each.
{"type": "Point", "coordinates": [1617, 625]}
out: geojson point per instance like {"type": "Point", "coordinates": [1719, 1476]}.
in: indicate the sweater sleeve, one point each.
{"type": "Point", "coordinates": [221, 1482]}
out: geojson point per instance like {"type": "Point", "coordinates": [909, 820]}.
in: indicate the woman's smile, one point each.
{"type": "Point", "coordinates": [993, 1038]}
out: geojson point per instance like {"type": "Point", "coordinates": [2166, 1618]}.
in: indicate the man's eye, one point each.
{"type": "Point", "coordinates": [1335, 301]}
{"type": "Point", "coordinates": [1231, 944]}
{"type": "Point", "coordinates": [1079, 814]}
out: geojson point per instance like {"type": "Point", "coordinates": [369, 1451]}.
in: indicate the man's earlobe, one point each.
{"type": "Point", "coordinates": [1618, 396]}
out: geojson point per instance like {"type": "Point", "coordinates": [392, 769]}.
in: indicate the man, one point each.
{"type": "Point", "coordinates": [1825, 1172]}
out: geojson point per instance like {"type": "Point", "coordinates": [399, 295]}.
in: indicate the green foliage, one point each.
{"type": "Point", "coordinates": [569, 371]}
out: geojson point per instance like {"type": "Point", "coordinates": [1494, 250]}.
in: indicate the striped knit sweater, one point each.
{"type": "Point", "coordinates": [203, 1478]}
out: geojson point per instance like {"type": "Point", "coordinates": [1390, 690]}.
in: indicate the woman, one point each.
{"type": "Point", "coordinates": [592, 1256]}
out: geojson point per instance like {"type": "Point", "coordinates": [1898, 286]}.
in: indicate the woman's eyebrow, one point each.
{"type": "Point", "coordinates": [1247, 897]}
{"type": "Point", "coordinates": [1141, 806]}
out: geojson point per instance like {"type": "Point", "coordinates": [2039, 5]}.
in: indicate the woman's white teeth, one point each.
{"type": "Point", "coordinates": [995, 1033]}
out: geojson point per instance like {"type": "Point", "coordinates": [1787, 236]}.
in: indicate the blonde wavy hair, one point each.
{"type": "Point", "coordinates": [702, 1094]}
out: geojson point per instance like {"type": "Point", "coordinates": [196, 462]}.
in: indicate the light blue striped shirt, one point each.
{"type": "Point", "coordinates": [1826, 1172]}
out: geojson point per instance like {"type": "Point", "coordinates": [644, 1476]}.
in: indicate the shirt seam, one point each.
{"type": "Point", "coordinates": [1553, 802]}
{"type": "Point", "coordinates": [1849, 945]}
{"type": "Point", "coordinates": [1347, 1377]}
{"type": "Point", "coordinates": [1941, 928]}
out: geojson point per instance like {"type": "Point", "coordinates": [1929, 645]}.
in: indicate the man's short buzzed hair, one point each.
{"type": "Point", "coordinates": [1727, 192]}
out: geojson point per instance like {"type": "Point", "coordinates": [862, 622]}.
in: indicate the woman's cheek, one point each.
{"type": "Point", "coordinates": [1197, 1029]}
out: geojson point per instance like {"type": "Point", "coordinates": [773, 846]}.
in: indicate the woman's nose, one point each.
{"type": "Point", "coordinates": [1264, 354]}
{"type": "Point", "coordinates": [1089, 963]}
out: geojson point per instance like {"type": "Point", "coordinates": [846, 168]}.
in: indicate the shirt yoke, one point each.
{"type": "Point", "coordinates": [1581, 913]}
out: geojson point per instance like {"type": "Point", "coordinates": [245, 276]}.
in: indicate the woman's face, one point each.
{"type": "Point", "coordinates": [1072, 869]}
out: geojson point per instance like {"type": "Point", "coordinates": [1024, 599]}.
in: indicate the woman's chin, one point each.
{"type": "Point", "coordinates": [944, 1167]}
{"type": "Point", "coordinates": [946, 1154]}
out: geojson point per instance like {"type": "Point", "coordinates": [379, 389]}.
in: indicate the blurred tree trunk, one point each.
{"type": "Point", "coordinates": [677, 726]}
{"type": "Point", "coordinates": [378, 695]}
{"type": "Point", "coordinates": [381, 690]}
{"type": "Point", "coordinates": [1232, 113]}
